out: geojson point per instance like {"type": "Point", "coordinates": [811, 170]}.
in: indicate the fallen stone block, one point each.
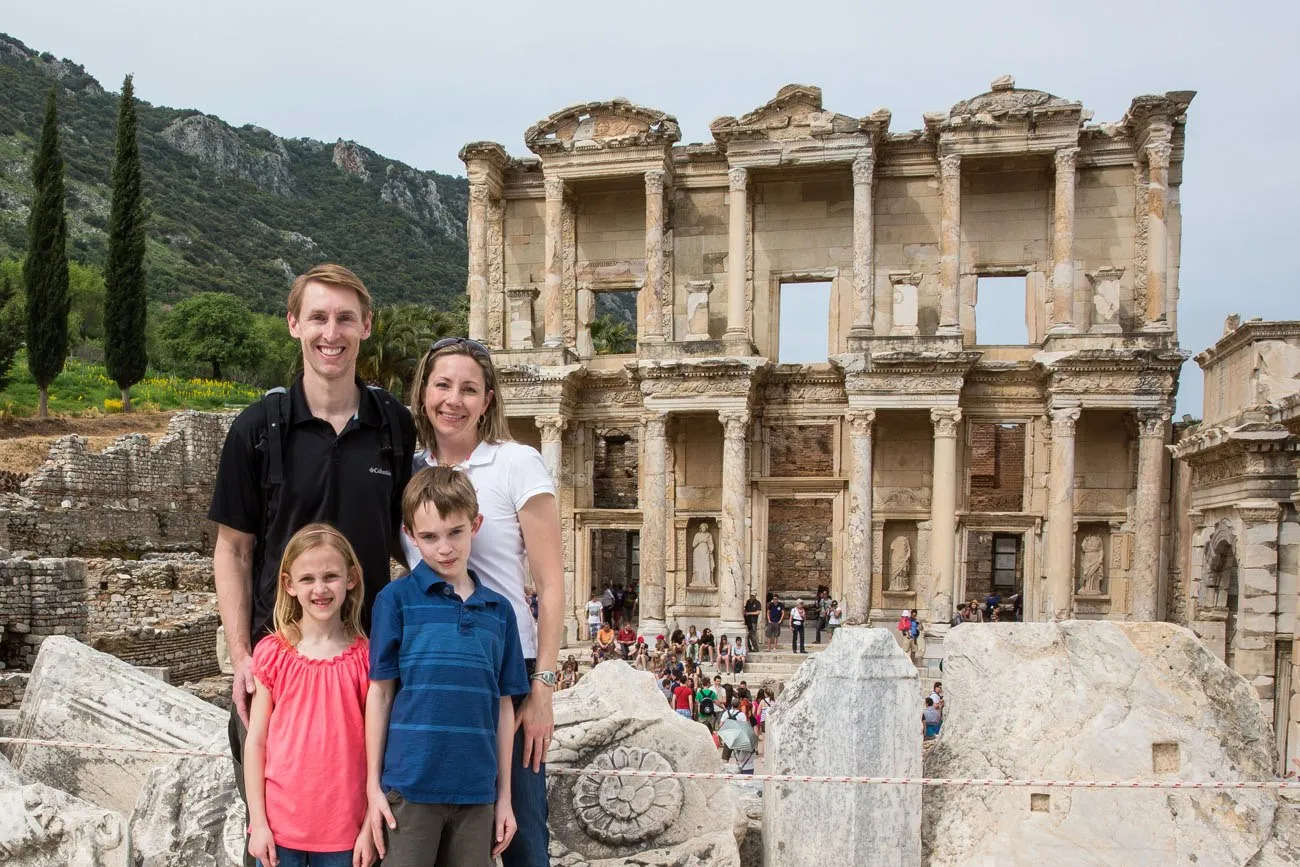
{"type": "Point", "coordinates": [189, 814]}
{"type": "Point", "coordinates": [79, 694]}
{"type": "Point", "coordinates": [616, 717]}
{"type": "Point", "coordinates": [852, 710]}
{"type": "Point", "coordinates": [43, 827]}
{"type": "Point", "coordinates": [1093, 700]}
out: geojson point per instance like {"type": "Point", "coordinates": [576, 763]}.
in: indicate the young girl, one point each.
{"type": "Point", "coordinates": [724, 656]}
{"type": "Point", "coordinates": [306, 806]}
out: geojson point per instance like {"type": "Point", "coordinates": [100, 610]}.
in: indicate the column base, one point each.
{"type": "Point", "coordinates": [732, 628]}
{"type": "Point", "coordinates": [948, 331]}
{"type": "Point", "coordinates": [1062, 328]}
{"type": "Point", "coordinates": [649, 628]}
{"type": "Point", "coordinates": [571, 635]}
{"type": "Point", "coordinates": [1160, 326]}
{"type": "Point", "coordinates": [737, 345]}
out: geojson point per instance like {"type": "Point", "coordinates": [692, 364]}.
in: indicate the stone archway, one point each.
{"type": "Point", "coordinates": [1219, 592]}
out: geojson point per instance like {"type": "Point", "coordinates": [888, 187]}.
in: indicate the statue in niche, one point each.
{"type": "Point", "coordinates": [900, 565]}
{"type": "Point", "coordinates": [1091, 565]}
{"type": "Point", "coordinates": [702, 557]}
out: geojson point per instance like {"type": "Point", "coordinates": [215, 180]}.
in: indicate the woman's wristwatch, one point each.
{"type": "Point", "coordinates": [546, 677]}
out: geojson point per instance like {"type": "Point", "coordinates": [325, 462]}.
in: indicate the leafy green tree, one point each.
{"type": "Point", "coordinates": [45, 273]}
{"type": "Point", "coordinates": [126, 307]}
{"type": "Point", "coordinates": [610, 336]}
{"type": "Point", "coordinates": [86, 293]}
{"type": "Point", "coordinates": [281, 354]}
{"type": "Point", "coordinates": [11, 328]}
{"type": "Point", "coordinates": [212, 328]}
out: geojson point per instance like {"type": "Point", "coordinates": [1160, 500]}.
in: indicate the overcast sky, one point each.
{"type": "Point", "coordinates": [416, 80]}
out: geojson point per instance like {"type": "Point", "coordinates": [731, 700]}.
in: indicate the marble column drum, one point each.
{"type": "Point", "coordinates": [949, 242]}
{"type": "Point", "coordinates": [1148, 531]}
{"type": "Point", "coordinates": [478, 263]}
{"type": "Point", "coordinates": [552, 430]}
{"type": "Point", "coordinates": [737, 220]}
{"type": "Point", "coordinates": [1060, 515]}
{"type": "Point", "coordinates": [861, 538]}
{"type": "Point", "coordinates": [943, 514]}
{"type": "Point", "coordinates": [654, 521]}
{"type": "Point", "coordinates": [1063, 242]}
{"type": "Point", "coordinates": [652, 329]}
{"type": "Point", "coordinates": [864, 259]}
{"type": "Point", "coordinates": [552, 302]}
{"type": "Point", "coordinates": [731, 529]}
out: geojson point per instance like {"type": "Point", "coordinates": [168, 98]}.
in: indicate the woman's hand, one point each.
{"type": "Point", "coordinates": [537, 719]}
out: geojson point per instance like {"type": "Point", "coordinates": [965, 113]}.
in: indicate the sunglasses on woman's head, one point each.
{"type": "Point", "coordinates": [471, 345]}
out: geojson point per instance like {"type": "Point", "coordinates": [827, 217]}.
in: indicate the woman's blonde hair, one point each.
{"type": "Point", "coordinates": [288, 611]}
{"type": "Point", "coordinates": [493, 427]}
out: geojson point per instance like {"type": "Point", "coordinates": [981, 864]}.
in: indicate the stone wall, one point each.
{"type": "Point", "coordinates": [615, 471]}
{"type": "Point", "coordinates": [187, 649]}
{"type": "Point", "coordinates": [40, 598]}
{"type": "Point", "coordinates": [801, 450]}
{"type": "Point", "coordinates": [131, 498]}
{"type": "Point", "coordinates": [799, 546]}
{"type": "Point", "coordinates": [997, 467]}
{"type": "Point", "coordinates": [146, 592]}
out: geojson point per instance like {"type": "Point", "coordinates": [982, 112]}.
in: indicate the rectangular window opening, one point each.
{"type": "Point", "coordinates": [613, 327]}
{"type": "Point", "coordinates": [1000, 311]}
{"type": "Point", "coordinates": [803, 336]}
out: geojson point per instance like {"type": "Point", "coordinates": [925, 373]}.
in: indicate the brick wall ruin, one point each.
{"type": "Point", "coordinates": [799, 548]}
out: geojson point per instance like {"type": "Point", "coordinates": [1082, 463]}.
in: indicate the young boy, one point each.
{"type": "Point", "coordinates": [445, 660]}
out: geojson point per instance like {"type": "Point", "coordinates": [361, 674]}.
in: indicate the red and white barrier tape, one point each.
{"type": "Point", "coordinates": [1280, 785]}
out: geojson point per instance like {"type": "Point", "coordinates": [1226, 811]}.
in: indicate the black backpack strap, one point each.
{"type": "Point", "coordinates": [277, 426]}
{"type": "Point", "coordinates": [390, 429]}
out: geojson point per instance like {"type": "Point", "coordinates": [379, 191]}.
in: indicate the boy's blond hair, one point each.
{"type": "Point", "coordinates": [449, 489]}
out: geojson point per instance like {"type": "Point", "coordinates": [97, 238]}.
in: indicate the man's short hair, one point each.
{"type": "Point", "coordinates": [449, 489]}
{"type": "Point", "coordinates": [331, 275]}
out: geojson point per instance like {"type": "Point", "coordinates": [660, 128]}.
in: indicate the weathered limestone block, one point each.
{"type": "Point", "coordinates": [79, 694]}
{"type": "Point", "coordinates": [853, 709]}
{"type": "Point", "coordinates": [43, 827]}
{"type": "Point", "coordinates": [616, 717]}
{"type": "Point", "coordinates": [1103, 701]}
{"type": "Point", "coordinates": [181, 816]}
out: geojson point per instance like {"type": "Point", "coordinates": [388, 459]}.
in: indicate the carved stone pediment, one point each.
{"type": "Point", "coordinates": [602, 125]}
{"type": "Point", "coordinates": [794, 113]}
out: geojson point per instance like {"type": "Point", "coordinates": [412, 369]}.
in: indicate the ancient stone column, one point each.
{"type": "Point", "coordinates": [478, 262]}
{"type": "Point", "coordinates": [737, 227]}
{"type": "Point", "coordinates": [1158, 154]}
{"type": "Point", "coordinates": [943, 513]}
{"type": "Point", "coordinates": [652, 329]}
{"type": "Point", "coordinates": [653, 497]}
{"type": "Point", "coordinates": [1060, 514]}
{"type": "Point", "coordinates": [949, 242]}
{"type": "Point", "coordinates": [1063, 242]}
{"type": "Point", "coordinates": [1148, 531]}
{"type": "Point", "coordinates": [552, 428]}
{"type": "Point", "coordinates": [860, 542]}
{"type": "Point", "coordinates": [864, 258]}
{"type": "Point", "coordinates": [731, 529]}
{"type": "Point", "coordinates": [552, 302]}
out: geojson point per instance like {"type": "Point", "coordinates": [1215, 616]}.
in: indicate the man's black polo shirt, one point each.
{"type": "Point", "coordinates": [346, 480]}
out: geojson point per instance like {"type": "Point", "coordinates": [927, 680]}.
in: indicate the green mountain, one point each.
{"type": "Point", "coordinates": [234, 210]}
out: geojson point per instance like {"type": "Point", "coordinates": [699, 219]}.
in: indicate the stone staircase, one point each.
{"type": "Point", "coordinates": [762, 668]}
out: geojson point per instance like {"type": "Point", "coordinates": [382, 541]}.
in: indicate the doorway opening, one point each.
{"type": "Point", "coordinates": [995, 566]}
{"type": "Point", "coordinates": [616, 565]}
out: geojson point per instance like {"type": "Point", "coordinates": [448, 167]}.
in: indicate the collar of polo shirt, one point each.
{"type": "Point", "coordinates": [484, 453]}
{"type": "Point", "coordinates": [429, 580]}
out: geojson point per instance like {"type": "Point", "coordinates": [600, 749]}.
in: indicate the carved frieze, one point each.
{"type": "Point", "coordinates": [1212, 472]}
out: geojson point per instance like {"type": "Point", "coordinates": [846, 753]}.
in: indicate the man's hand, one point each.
{"type": "Point", "coordinates": [505, 826]}
{"type": "Point", "coordinates": [537, 719]}
{"type": "Point", "coordinates": [378, 815]}
{"type": "Point", "coordinates": [243, 687]}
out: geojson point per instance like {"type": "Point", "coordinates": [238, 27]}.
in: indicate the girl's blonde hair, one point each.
{"type": "Point", "coordinates": [493, 427]}
{"type": "Point", "coordinates": [288, 611]}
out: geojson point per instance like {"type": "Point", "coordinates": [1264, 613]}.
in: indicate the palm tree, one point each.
{"type": "Point", "coordinates": [399, 335]}
{"type": "Point", "coordinates": [610, 336]}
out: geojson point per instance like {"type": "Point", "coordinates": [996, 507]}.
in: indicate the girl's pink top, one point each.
{"type": "Point", "coordinates": [316, 744]}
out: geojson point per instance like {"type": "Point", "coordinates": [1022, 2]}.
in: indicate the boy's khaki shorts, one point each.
{"type": "Point", "coordinates": [460, 834]}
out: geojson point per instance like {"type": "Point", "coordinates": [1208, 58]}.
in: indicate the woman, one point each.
{"type": "Point", "coordinates": [724, 655]}
{"type": "Point", "coordinates": [708, 646]}
{"type": "Point", "coordinates": [641, 655]}
{"type": "Point", "coordinates": [677, 642]}
{"type": "Point", "coordinates": [569, 675]}
{"type": "Point", "coordinates": [460, 420]}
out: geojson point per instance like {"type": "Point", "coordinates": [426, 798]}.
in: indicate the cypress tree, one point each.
{"type": "Point", "coordinates": [125, 308]}
{"type": "Point", "coordinates": [45, 274]}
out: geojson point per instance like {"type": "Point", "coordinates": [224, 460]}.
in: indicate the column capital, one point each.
{"type": "Point", "coordinates": [1158, 154]}
{"type": "Point", "coordinates": [478, 194]}
{"type": "Point", "coordinates": [1066, 158]}
{"type": "Point", "coordinates": [656, 424]}
{"type": "Point", "coordinates": [738, 178]}
{"type": "Point", "coordinates": [1151, 422]}
{"type": "Point", "coordinates": [735, 423]}
{"type": "Point", "coordinates": [944, 419]}
{"type": "Point", "coordinates": [860, 421]}
{"type": "Point", "coordinates": [654, 182]}
{"type": "Point", "coordinates": [864, 167]}
{"type": "Point", "coordinates": [950, 167]}
{"type": "Point", "coordinates": [1063, 420]}
{"type": "Point", "coordinates": [554, 189]}
{"type": "Point", "coordinates": [551, 426]}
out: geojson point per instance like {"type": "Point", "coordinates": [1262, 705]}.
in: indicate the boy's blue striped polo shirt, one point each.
{"type": "Point", "coordinates": [453, 661]}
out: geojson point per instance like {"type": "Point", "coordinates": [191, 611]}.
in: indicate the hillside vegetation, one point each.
{"type": "Point", "coordinates": [231, 210]}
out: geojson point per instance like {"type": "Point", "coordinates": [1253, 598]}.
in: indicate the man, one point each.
{"type": "Point", "coordinates": [775, 614]}
{"type": "Point", "coordinates": [328, 449]}
{"type": "Point", "coordinates": [753, 608]}
{"type": "Point", "coordinates": [936, 696]}
{"type": "Point", "coordinates": [626, 638]}
{"type": "Point", "coordinates": [823, 613]}
{"type": "Point", "coordinates": [607, 603]}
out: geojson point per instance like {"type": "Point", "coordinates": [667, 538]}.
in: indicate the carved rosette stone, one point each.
{"type": "Point", "coordinates": [623, 810]}
{"type": "Point", "coordinates": [738, 178]}
{"type": "Point", "coordinates": [945, 421]}
{"type": "Point", "coordinates": [864, 168]}
{"type": "Point", "coordinates": [1064, 420]}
